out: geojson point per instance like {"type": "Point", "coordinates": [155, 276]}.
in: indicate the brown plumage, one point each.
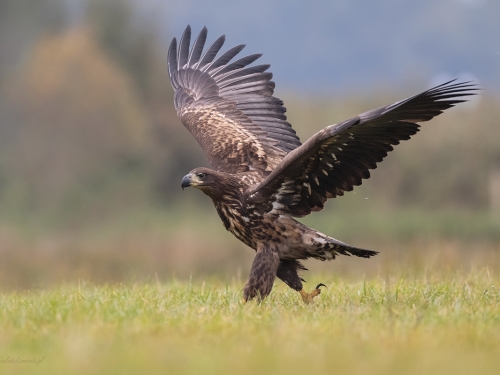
{"type": "Point", "coordinates": [262, 175]}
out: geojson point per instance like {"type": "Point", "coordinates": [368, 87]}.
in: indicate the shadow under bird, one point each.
{"type": "Point", "coordinates": [262, 175]}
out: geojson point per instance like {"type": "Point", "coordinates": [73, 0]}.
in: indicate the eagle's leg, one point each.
{"type": "Point", "coordinates": [287, 271]}
{"type": "Point", "coordinates": [262, 275]}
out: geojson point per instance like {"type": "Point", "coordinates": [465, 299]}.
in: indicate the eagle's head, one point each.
{"type": "Point", "coordinates": [212, 183]}
{"type": "Point", "coordinates": [200, 178]}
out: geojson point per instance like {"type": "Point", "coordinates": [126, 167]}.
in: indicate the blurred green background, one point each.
{"type": "Point", "coordinates": [92, 152]}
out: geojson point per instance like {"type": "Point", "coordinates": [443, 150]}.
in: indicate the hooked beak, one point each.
{"type": "Point", "coordinates": [186, 181]}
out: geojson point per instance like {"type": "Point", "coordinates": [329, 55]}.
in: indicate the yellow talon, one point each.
{"type": "Point", "coordinates": [308, 297]}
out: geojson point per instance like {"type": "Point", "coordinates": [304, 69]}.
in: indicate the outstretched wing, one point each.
{"type": "Point", "coordinates": [229, 107]}
{"type": "Point", "coordinates": [340, 156]}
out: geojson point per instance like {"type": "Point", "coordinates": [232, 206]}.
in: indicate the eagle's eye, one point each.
{"type": "Point", "coordinates": [201, 175]}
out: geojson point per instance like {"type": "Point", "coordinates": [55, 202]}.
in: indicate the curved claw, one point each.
{"type": "Point", "coordinates": [308, 297]}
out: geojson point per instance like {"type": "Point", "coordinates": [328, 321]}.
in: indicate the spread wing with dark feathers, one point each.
{"type": "Point", "coordinates": [340, 156]}
{"type": "Point", "coordinates": [229, 107]}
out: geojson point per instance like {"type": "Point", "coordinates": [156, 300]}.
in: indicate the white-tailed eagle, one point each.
{"type": "Point", "coordinates": [262, 175]}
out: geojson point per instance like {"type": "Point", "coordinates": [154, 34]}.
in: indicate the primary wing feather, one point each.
{"type": "Point", "coordinates": [339, 157]}
{"type": "Point", "coordinates": [229, 107]}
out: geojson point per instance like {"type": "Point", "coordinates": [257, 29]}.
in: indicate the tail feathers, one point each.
{"type": "Point", "coordinates": [331, 247]}
{"type": "Point", "coordinates": [362, 253]}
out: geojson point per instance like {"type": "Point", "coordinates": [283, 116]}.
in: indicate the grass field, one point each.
{"type": "Point", "coordinates": [434, 323]}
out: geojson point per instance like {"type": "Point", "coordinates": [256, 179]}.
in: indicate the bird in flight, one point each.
{"type": "Point", "coordinates": [262, 176]}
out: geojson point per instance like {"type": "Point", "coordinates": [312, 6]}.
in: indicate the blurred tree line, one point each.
{"type": "Point", "coordinates": [86, 120]}
{"type": "Point", "coordinates": [87, 124]}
